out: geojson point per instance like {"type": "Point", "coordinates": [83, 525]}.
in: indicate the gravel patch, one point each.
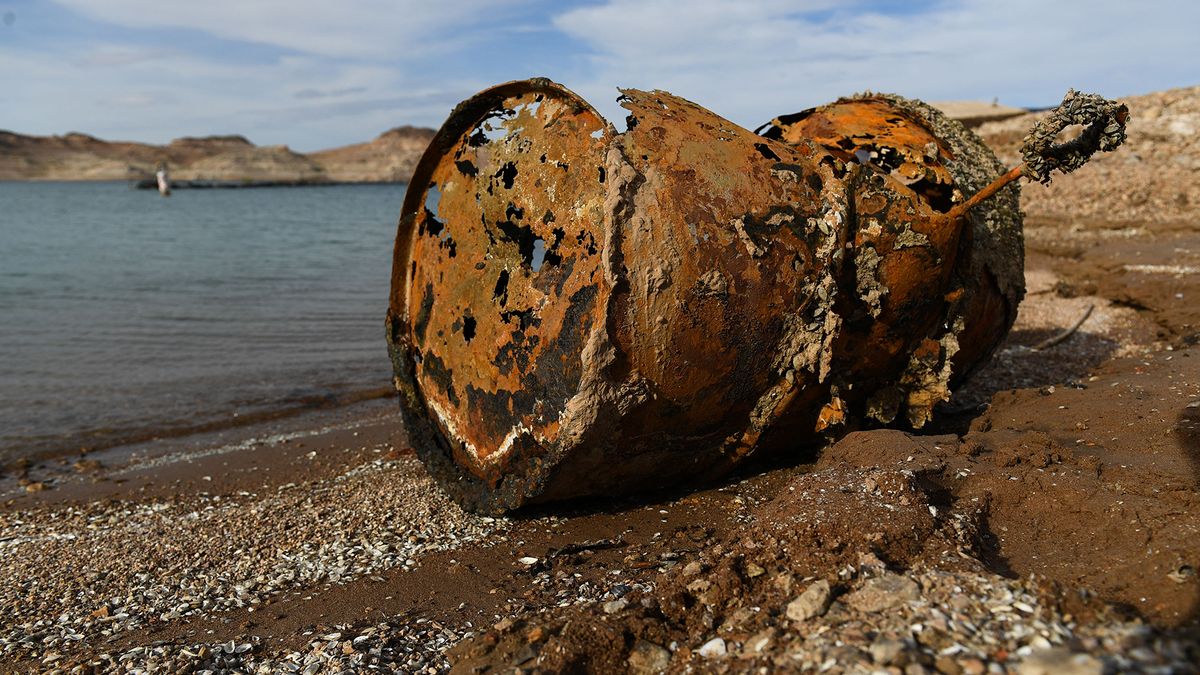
{"type": "Point", "coordinates": [75, 575]}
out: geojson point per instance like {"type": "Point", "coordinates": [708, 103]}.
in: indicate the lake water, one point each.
{"type": "Point", "coordinates": [125, 315]}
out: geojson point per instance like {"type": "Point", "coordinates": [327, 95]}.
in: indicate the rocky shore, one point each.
{"type": "Point", "coordinates": [212, 161]}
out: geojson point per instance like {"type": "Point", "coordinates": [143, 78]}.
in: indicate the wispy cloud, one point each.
{"type": "Point", "coordinates": [350, 29]}
{"type": "Point", "coordinates": [316, 74]}
{"type": "Point", "coordinates": [751, 61]}
{"type": "Point", "coordinates": [108, 56]}
{"type": "Point", "coordinates": [328, 93]}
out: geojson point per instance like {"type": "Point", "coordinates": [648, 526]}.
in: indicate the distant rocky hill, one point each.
{"type": "Point", "coordinates": [391, 157]}
{"type": "Point", "coordinates": [214, 159]}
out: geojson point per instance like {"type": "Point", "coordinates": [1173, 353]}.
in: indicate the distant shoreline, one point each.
{"type": "Point", "coordinates": [211, 161]}
{"type": "Point", "coordinates": [151, 184]}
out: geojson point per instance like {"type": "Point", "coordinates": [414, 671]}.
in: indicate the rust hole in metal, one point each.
{"type": "Point", "coordinates": [868, 131]}
{"type": "Point", "coordinates": [467, 168]}
{"type": "Point", "coordinates": [539, 254]}
{"type": "Point", "coordinates": [507, 174]}
{"type": "Point", "coordinates": [500, 294]}
{"type": "Point", "coordinates": [766, 151]}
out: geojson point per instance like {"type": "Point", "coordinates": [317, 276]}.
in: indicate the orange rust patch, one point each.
{"type": "Point", "coordinates": [873, 131]}
{"type": "Point", "coordinates": [504, 270]}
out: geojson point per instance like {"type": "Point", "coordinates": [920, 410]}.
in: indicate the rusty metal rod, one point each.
{"type": "Point", "coordinates": [988, 192]}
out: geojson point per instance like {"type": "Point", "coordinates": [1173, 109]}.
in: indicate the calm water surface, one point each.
{"type": "Point", "coordinates": [125, 315]}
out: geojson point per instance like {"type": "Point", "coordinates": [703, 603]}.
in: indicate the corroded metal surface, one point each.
{"type": "Point", "coordinates": [942, 288]}
{"type": "Point", "coordinates": [576, 311]}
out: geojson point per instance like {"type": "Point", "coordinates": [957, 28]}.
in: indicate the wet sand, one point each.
{"type": "Point", "coordinates": [1050, 520]}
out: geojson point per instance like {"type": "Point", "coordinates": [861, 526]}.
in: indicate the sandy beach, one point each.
{"type": "Point", "coordinates": [1048, 522]}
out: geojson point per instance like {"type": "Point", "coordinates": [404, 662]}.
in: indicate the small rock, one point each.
{"type": "Point", "coordinates": [536, 634]}
{"type": "Point", "coordinates": [648, 658]}
{"type": "Point", "coordinates": [524, 655]}
{"type": "Point", "coordinates": [889, 652]}
{"type": "Point", "coordinates": [973, 666]}
{"type": "Point", "coordinates": [614, 606]}
{"type": "Point", "coordinates": [100, 613]}
{"type": "Point", "coordinates": [87, 466]}
{"type": "Point", "coordinates": [527, 560]}
{"type": "Point", "coordinates": [1059, 661]}
{"type": "Point", "coordinates": [761, 641]}
{"type": "Point", "coordinates": [947, 665]}
{"type": "Point", "coordinates": [753, 571]}
{"type": "Point", "coordinates": [692, 569]}
{"type": "Point", "coordinates": [882, 593]}
{"type": "Point", "coordinates": [784, 583]}
{"type": "Point", "coordinates": [813, 602]}
{"type": "Point", "coordinates": [741, 616]}
{"type": "Point", "coordinates": [712, 648]}
{"type": "Point", "coordinates": [1182, 575]}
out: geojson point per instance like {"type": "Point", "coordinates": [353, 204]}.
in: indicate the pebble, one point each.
{"type": "Point", "coordinates": [614, 606]}
{"type": "Point", "coordinates": [712, 648]}
{"type": "Point", "coordinates": [885, 592]}
{"type": "Point", "coordinates": [973, 666]}
{"type": "Point", "coordinates": [889, 652]}
{"type": "Point", "coordinates": [762, 641]}
{"type": "Point", "coordinates": [813, 602]}
{"type": "Point", "coordinates": [222, 553]}
{"type": "Point", "coordinates": [1059, 661]}
{"type": "Point", "coordinates": [947, 665]}
{"type": "Point", "coordinates": [647, 658]}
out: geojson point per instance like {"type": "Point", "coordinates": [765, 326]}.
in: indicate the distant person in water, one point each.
{"type": "Point", "coordinates": [164, 181]}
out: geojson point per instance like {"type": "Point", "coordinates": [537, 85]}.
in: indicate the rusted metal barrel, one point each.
{"type": "Point", "coordinates": [578, 312]}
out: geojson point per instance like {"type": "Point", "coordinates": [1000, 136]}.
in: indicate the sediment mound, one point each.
{"type": "Point", "coordinates": [390, 157]}
{"type": "Point", "coordinates": [249, 163]}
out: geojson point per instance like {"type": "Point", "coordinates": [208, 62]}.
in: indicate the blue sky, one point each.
{"type": "Point", "coordinates": [319, 74]}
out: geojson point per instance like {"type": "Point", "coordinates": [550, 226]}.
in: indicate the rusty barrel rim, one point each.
{"type": "Point", "coordinates": [457, 464]}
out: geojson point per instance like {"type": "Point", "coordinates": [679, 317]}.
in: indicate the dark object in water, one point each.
{"type": "Point", "coordinates": [579, 312]}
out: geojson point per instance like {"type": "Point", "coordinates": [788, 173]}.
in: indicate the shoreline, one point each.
{"type": "Point", "coordinates": [43, 473]}
{"type": "Point", "coordinates": [223, 184]}
{"type": "Point", "coordinates": [150, 183]}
